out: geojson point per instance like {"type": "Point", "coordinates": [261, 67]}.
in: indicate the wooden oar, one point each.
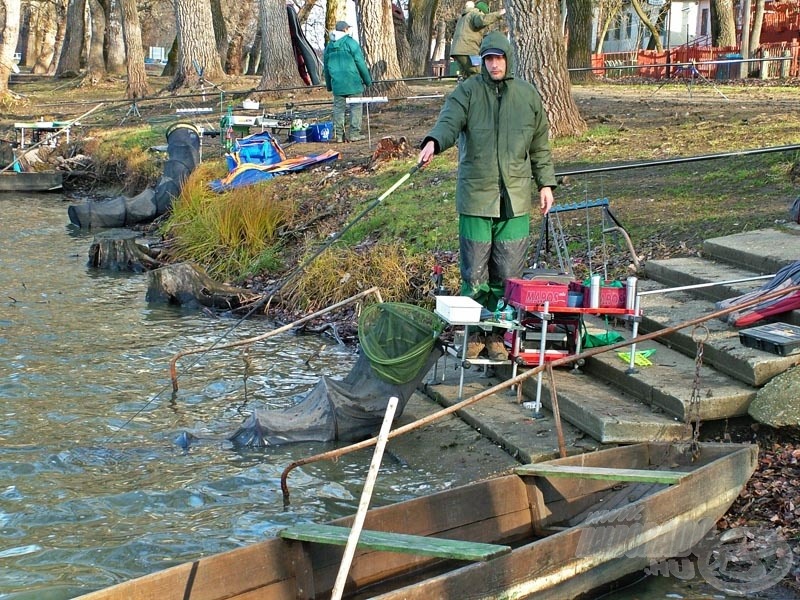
{"type": "Point", "coordinates": [363, 505]}
{"type": "Point", "coordinates": [60, 131]}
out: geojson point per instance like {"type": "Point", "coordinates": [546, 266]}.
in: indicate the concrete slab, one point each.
{"type": "Point", "coordinates": [678, 272]}
{"type": "Point", "coordinates": [501, 419]}
{"type": "Point", "coordinates": [668, 384]}
{"type": "Point", "coordinates": [721, 349]}
{"type": "Point", "coordinates": [763, 250]}
{"type": "Point", "coordinates": [609, 416]}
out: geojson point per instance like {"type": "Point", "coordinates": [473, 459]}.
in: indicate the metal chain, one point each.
{"type": "Point", "coordinates": [699, 335]}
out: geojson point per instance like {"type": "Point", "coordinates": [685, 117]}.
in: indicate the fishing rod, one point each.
{"type": "Point", "coordinates": [269, 295]}
{"type": "Point", "coordinates": [676, 161]}
{"type": "Point", "coordinates": [60, 131]}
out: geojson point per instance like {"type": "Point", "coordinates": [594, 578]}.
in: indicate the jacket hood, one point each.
{"type": "Point", "coordinates": [495, 39]}
{"type": "Point", "coordinates": [335, 35]}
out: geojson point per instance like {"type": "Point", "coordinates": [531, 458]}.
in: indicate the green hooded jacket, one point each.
{"type": "Point", "coordinates": [344, 68]}
{"type": "Point", "coordinates": [502, 133]}
{"type": "Point", "coordinates": [469, 31]}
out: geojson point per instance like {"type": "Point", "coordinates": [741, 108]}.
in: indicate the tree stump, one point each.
{"type": "Point", "coordinates": [117, 250]}
{"type": "Point", "coordinates": [186, 284]}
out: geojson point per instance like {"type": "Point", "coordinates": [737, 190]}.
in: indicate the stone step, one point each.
{"type": "Point", "coordinates": [693, 270]}
{"type": "Point", "coordinates": [679, 272]}
{"type": "Point", "coordinates": [668, 383]}
{"type": "Point", "coordinates": [608, 415]}
{"type": "Point", "coordinates": [722, 348]}
{"type": "Point", "coordinates": [764, 250]}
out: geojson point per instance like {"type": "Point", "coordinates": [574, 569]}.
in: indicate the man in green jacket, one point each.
{"type": "Point", "coordinates": [346, 74]}
{"type": "Point", "coordinates": [470, 28]}
{"type": "Point", "coordinates": [502, 133]}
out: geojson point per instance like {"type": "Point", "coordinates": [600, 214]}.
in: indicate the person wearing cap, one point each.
{"type": "Point", "coordinates": [502, 132]}
{"type": "Point", "coordinates": [474, 21]}
{"type": "Point", "coordinates": [346, 74]}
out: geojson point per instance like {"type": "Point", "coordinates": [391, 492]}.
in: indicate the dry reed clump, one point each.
{"type": "Point", "coordinates": [234, 234]}
{"type": "Point", "coordinates": [339, 273]}
{"type": "Point", "coordinates": [122, 157]}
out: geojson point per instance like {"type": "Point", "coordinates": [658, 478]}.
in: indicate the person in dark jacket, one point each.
{"type": "Point", "coordinates": [470, 28]}
{"type": "Point", "coordinates": [346, 74]}
{"type": "Point", "coordinates": [502, 132]}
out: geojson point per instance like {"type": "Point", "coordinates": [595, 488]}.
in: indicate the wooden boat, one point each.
{"type": "Point", "coordinates": [549, 530]}
{"type": "Point", "coordinates": [31, 181]}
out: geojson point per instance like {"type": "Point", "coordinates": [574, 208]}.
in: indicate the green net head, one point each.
{"type": "Point", "coordinates": [397, 339]}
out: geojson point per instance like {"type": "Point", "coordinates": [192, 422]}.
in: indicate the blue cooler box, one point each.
{"type": "Point", "coordinates": [320, 132]}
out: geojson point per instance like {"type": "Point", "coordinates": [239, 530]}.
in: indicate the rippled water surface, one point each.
{"type": "Point", "coordinates": [93, 489]}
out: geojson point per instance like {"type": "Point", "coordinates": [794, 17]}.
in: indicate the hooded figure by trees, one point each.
{"type": "Point", "coordinates": [346, 74]}
{"type": "Point", "coordinates": [474, 22]}
{"type": "Point", "coordinates": [502, 132]}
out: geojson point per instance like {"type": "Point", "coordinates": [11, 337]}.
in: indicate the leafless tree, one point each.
{"type": "Point", "coordinates": [69, 63]}
{"type": "Point", "coordinates": [579, 48]}
{"type": "Point", "coordinates": [420, 30]}
{"type": "Point", "coordinates": [10, 29]}
{"type": "Point", "coordinates": [376, 32]}
{"type": "Point", "coordinates": [723, 23]}
{"type": "Point", "coordinates": [279, 65]}
{"type": "Point", "coordinates": [115, 39]}
{"type": "Point", "coordinates": [197, 49]}
{"type": "Point", "coordinates": [401, 41]}
{"type": "Point", "coordinates": [541, 57]}
{"type": "Point", "coordinates": [95, 62]}
{"type": "Point", "coordinates": [137, 77]}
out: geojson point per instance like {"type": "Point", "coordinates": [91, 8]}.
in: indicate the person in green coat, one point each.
{"type": "Point", "coordinates": [502, 132]}
{"type": "Point", "coordinates": [346, 74]}
{"type": "Point", "coordinates": [471, 26]}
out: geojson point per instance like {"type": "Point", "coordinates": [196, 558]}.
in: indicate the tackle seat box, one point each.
{"type": "Point", "coordinates": [777, 338]}
{"type": "Point", "coordinates": [529, 294]}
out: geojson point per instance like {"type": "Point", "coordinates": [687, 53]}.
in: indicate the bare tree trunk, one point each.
{"type": "Point", "coordinates": [440, 47]}
{"type": "Point", "coordinates": [95, 64]}
{"type": "Point", "coordinates": [70, 61]}
{"type": "Point", "coordinates": [579, 50]}
{"type": "Point", "coordinates": [655, 35]}
{"type": "Point", "coordinates": [137, 76]}
{"type": "Point", "coordinates": [10, 29]}
{"type": "Point", "coordinates": [723, 23]}
{"type": "Point", "coordinates": [115, 40]}
{"type": "Point", "coordinates": [41, 37]}
{"type": "Point", "coordinates": [61, 34]}
{"type": "Point", "coordinates": [234, 59]}
{"type": "Point", "coordinates": [758, 22]}
{"type": "Point", "coordinates": [305, 10]}
{"type": "Point", "coordinates": [541, 57]}
{"type": "Point", "coordinates": [401, 39]}
{"type": "Point", "coordinates": [335, 10]}
{"type": "Point", "coordinates": [254, 56]}
{"type": "Point", "coordinates": [609, 9]}
{"type": "Point", "coordinates": [172, 60]}
{"type": "Point", "coordinates": [197, 48]}
{"type": "Point", "coordinates": [745, 43]}
{"type": "Point", "coordinates": [220, 29]}
{"type": "Point", "coordinates": [277, 56]}
{"type": "Point", "coordinates": [380, 50]}
{"type": "Point", "coordinates": [420, 29]}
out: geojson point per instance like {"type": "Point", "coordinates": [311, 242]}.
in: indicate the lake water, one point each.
{"type": "Point", "coordinates": [93, 489]}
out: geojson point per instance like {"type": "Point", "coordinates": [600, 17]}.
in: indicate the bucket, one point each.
{"type": "Point", "coordinates": [299, 135]}
{"type": "Point", "coordinates": [320, 132]}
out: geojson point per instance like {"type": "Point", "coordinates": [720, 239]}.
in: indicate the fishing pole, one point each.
{"type": "Point", "coordinates": [268, 295]}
